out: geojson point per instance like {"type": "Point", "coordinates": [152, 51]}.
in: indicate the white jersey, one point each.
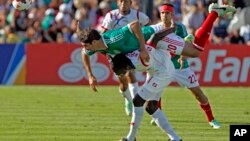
{"type": "Point", "coordinates": [159, 69]}
{"type": "Point", "coordinates": [158, 60]}
{"type": "Point", "coordinates": [172, 42]}
{"type": "Point", "coordinates": [114, 19]}
{"type": "Point", "coordinates": [184, 77]}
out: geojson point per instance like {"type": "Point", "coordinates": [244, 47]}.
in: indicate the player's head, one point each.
{"type": "Point", "coordinates": [89, 38]}
{"type": "Point", "coordinates": [166, 12]}
{"type": "Point", "coordinates": [124, 6]}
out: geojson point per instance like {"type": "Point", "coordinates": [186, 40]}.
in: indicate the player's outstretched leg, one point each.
{"type": "Point", "coordinates": [203, 33]}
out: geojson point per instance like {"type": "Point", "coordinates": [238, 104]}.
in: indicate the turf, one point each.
{"type": "Point", "coordinates": [74, 113]}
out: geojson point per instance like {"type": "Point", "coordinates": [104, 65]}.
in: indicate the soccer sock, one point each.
{"type": "Point", "coordinates": [126, 94]}
{"type": "Point", "coordinates": [159, 104]}
{"type": "Point", "coordinates": [135, 122]}
{"type": "Point", "coordinates": [203, 32]}
{"type": "Point", "coordinates": [162, 121]}
{"type": "Point", "coordinates": [208, 111]}
{"type": "Point", "coordinates": [133, 88]}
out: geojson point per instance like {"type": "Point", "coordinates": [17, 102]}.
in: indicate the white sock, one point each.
{"type": "Point", "coordinates": [133, 89]}
{"type": "Point", "coordinates": [126, 94]}
{"type": "Point", "coordinates": [135, 122]}
{"type": "Point", "coordinates": [162, 122]}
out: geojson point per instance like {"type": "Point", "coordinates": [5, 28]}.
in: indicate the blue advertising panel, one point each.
{"type": "Point", "coordinates": [11, 55]}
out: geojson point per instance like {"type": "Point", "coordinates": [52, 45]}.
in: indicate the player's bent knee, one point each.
{"type": "Point", "coordinates": [138, 101]}
{"type": "Point", "coordinates": [151, 107]}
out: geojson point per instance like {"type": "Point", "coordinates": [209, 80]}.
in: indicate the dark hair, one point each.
{"type": "Point", "coordinates": [168, 4]}
{"type": "Point", "coordinates": [88, 35]}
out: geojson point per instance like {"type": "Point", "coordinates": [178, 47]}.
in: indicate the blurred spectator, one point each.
{"type": "Point", "coordinates": [55, 20]}
{"type": "Point", "coordinates": [194, 18]}
{"type": "Point", "coordinates": [245, 33]}
{"type": "Point", "coordinates": [48, 19]}
{"type": "Point", "coordinates": [50, 35]}
{"type": "Point", "coordinates": [104, 8]}
{"type": "Point", "coordinates": [64, 15]}
{"type": "Point", "coordinates": [29, 36]}
{"type": "Point", "coordinates": [156, 16]}
{"type": "Point", "coordinates": [60, 38]}
{"type": "Point", "coordinates": [236, 38]}
{"type": "Point", "coordinates": [219, 32]}
{"type": "Point", "coordinates": [11, 36]}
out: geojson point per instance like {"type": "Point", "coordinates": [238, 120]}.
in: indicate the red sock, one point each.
{"type": "Point", "coordinates": [159, 104]}
{"type": "Point", "coordinates": [203, 32]}
{"type": "Point", "coordinates": [207, 109]}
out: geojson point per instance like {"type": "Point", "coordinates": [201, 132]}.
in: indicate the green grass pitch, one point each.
{"type": "Point", "coordinates": [75, 113]}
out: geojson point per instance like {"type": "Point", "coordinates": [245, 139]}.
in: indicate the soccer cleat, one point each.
{"type": "Point", "coordinates": [152, 122]}
{"type": "Point", "coordinates": [128, 107]}
{"type": "Point", "coordinates": [174, 140]}
{"type": "Point", "coordinates": [215, 124]}
{"type": "Point", "coordinates": [125, 139]}
{"type": "Point", "coordinates": [221, 9]}
{"type": "Point", "coordinates": [189, 38]}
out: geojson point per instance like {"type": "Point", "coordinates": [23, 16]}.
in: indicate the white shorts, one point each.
{"type": "Point", "coordinates": [158, 76]}
{"type": "Point", "coordinates": [186, 77]}
{"type": "Point", "coordinates": [172, 43]}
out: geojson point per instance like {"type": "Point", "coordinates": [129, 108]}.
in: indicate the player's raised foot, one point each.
{"type": "Point", "coordinates": [215, 124]}
{"type": "Point", "coordinates": [189, 38]}
{"type": "Point", "coordinates": [125, 139]}
{"type": "Point", "coordinates": [152, 122]}
{"type": "Point", "coordinates": [221, 9]}
{"type": "Point", "coordinates": [128, 107]}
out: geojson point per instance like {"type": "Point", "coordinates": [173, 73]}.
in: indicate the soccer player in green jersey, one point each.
{"type": "Point", "coordinates": [116, 19]}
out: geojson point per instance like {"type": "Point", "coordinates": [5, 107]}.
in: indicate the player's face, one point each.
{"type": "Point", "coordinates": [166, 16]}
{"type": "Point", "coordinates": [88, 46]}
{"type": "Point", "coordinates": [124, 5]}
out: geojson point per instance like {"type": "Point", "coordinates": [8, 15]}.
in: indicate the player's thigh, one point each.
{"type": "Point", "coordinates": [123, 83]}
{"type": "Point", "coordinates": [190, 51]}
{"type": "Point", "coordinates": [130, 76]}
{"type": "Point", "coordinates": [154, 86]}
{"type": "Point", "coordinates": [186, 77]}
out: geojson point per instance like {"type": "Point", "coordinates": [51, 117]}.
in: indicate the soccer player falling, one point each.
{"type": "Point", "coordinates": [131, 40]}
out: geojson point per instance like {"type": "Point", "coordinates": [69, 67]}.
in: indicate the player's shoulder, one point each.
{"type": "Point", "coordinates": [179, 24]}
{"type": "Point", "coordinates": [112, 13]}
{"type": "Point", "coordinates": [115, 11]}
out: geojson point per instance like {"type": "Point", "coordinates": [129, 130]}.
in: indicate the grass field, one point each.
{"type": "Point", "coordinates": [74, 113]}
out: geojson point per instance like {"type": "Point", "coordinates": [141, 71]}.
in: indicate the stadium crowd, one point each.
{"type": "Point", "coordinates": [53, 20]}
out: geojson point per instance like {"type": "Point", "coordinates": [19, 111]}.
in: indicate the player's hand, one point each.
{"type": "Point", "coordinates": [144, 55]}
{"type": "Point", "coordinates": [181, 61]}
{"type": "Point", "coordinates": [93, 83]}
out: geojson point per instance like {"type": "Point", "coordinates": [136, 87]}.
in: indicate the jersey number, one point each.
{"type": "Point", "coordinates": [192, 79]}
{"type": "Point", "coordinates": [172, 49]}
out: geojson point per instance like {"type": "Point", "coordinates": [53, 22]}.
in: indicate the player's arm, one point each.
{"type": "Point", "coordinates": [86, 64]}
{"type": "Point", "coordinates": [153, 40]}
{"type": "Point", "coordinates": [136, 29]}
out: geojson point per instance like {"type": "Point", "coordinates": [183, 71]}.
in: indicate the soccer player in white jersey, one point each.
{"type": "Point", "coordinates": [116, 19]}
{"type": "Point", "coordinates": [153, 86]}
{"type": "Point", "coordinates": [183, 75]}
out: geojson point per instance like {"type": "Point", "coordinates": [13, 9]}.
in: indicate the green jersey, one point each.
{"type": "Point", "coordinates": [182, 32]}
{"type": "Point", "coordinates": [122, 40]}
